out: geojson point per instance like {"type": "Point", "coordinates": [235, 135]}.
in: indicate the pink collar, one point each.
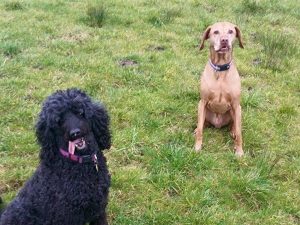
{"type": "Point", "coordinates": [80, 159]}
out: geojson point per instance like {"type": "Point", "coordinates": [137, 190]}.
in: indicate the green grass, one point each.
{"type": "Point", "coordinates": [157, 178]}
{"type": "Point", "coordinates": [14, 5]}
{"type": "Point", "coordinates": [96, 15]}
{"type": "Point", "coordinates": [275, 46]}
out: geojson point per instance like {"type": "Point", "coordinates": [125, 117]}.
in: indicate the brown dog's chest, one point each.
{"type": "Point", "coordinates": [219, 97]}
{"type": "Point", "coordinates": [219, 103]}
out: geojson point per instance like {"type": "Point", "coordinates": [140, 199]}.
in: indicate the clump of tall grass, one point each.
{"type": "Point", "coordinates": [164, 17]}
{"type": "Point", "coordinates": [277, 48]}
{"type": "Point", "coordinates": [250, 7]}
{"type": "Point", "coordinates": [252, 99]}
{"type": "Point", "coordinates": [96, 15]}
{"type": "Point", "coordinates": [10, 49]}
{"type": "Point", "coordinates": [14, 5]}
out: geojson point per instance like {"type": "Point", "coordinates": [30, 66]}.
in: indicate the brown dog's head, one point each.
{"type": "Point", "coordinates": [221, 36]}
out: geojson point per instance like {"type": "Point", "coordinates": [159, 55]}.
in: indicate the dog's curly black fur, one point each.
{"type": "Point", "coordinates": [62, 191]}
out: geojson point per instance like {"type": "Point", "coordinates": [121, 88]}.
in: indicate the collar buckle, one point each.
{"type": "Point", "coordinates": [86, 159]}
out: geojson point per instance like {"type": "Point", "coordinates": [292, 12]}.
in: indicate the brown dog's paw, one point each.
{"type": "Point", "coordinates": [198, 140]}
{"type": "Point", "coordinates": [198, 146]}
{"type": "Point", "coordinates": [239, 152]}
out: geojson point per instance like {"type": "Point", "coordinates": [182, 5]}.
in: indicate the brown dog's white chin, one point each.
{"type": "Point", "coordinates": [223, 50]}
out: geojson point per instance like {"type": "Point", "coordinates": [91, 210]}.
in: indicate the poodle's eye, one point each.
{"type": "Point", "coordinates": [59, 122]}
{"type": "Point", "coordinates": [230, 32]}
{"type": "Point", "coordinates": [81, 113]}
{"type": "Point", "coordinates": [57, 119]}
{"type": "Point", "coordinates": [216, 32]}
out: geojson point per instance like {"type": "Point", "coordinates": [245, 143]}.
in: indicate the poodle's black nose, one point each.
{"type": "Point", "coordinates": [74, 133]}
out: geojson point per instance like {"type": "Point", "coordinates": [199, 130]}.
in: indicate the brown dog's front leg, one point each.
{"type": "Point", "coordinates": [237, 123]}
{"type": "Point", "coordinates": [200, 125]}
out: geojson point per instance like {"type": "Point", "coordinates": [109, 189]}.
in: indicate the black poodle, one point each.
{"type": "Point", "coordinates": [71, 184]}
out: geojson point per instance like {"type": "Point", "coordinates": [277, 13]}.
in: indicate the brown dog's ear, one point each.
{"type": "Point", "coordinates": [239, 36]}
{"type": "Point", "coordinates": [204, 37]}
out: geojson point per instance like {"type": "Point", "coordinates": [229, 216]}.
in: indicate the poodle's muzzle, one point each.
{"type": "Point", "coordinates": [75, 128]}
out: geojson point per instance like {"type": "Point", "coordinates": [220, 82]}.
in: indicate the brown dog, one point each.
{"type": "Point", "coordinates": [220, 85]}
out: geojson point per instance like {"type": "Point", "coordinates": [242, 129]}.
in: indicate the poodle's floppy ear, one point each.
{"type": "Point", "coordinates": [100, 126]}
{"type": "Point", "coordinates": [46, 138]}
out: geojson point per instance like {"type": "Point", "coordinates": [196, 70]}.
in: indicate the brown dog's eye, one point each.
{"type": "Point", "coordinates": [216, 32]}
{"type": "Point", "coordinates": [230, 31]}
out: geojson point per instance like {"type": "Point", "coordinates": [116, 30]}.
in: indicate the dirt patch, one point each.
{"type": "Point", "coordinates": [127, 62]}
{"type": "Point", "coordinates": [159, 48]}
{"type": "Point", "coordinates": [156, 48]}
{"type": "Point", "coordinates": [75, 36]}
{"type": "Point", "coordinates": [10, 185]}
{"type": "Point", "coordinates": [256, 61]}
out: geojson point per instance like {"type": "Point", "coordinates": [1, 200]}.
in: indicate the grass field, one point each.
{"type": "Point", "coordinates": [141, 59]}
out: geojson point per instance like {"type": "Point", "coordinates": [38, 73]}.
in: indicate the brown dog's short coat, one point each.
{"type": "Point", "coordinates": [220, 87]}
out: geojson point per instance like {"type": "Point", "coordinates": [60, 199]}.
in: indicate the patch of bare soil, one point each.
{"type": "Point", "coordinates": [127, 62]}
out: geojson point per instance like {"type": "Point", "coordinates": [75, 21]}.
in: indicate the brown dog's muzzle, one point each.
{"type": "Point", "coordinates": [224, 45]}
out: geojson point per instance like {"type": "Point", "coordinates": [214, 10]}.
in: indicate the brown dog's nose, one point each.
{"type": "Point", "coordinates": [224, 41]}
